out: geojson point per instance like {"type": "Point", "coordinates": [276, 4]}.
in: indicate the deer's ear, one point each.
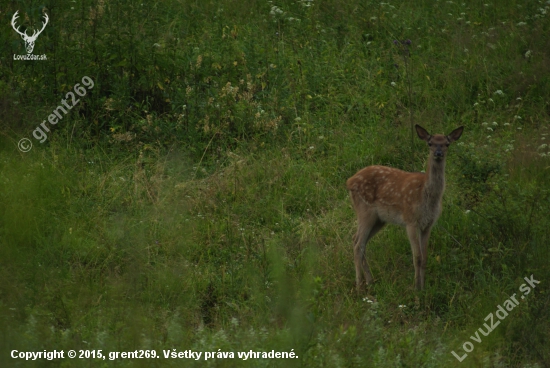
{"type": "Point", "coordinates": [422, 133]}
{"type": "Point", "coordinates": [455, 134]}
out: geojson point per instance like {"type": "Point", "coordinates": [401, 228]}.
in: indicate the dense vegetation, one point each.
{"type": "Point", "coordinates": [194, 198]}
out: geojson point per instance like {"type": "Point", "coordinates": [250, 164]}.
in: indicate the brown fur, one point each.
{"type": "Point", "coordinates": [381, 195]}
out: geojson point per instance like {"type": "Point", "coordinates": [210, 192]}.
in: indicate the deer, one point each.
{"type": "Point", "coordinates": [381, 195]}
{"type": "Point", "coordinates": [29, 40]}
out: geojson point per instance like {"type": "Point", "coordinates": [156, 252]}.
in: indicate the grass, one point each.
{"type": "Point", "coordinates": [196, 198]}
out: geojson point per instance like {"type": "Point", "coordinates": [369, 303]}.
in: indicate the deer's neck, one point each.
{"type": "Point", "coordinates": [435, 183]}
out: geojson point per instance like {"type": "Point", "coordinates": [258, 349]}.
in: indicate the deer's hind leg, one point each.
{"type": "Point", "coordinates": [368, 224]}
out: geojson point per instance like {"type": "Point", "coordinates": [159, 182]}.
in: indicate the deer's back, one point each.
{"type": "Point", "coordinates": [394, 194]}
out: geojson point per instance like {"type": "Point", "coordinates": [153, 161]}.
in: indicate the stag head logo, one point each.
{"type": "Point", "coordinates": [29, 40]}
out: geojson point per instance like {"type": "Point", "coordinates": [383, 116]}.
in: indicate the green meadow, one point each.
{"type": "Point", "coordinates": [193, 197]}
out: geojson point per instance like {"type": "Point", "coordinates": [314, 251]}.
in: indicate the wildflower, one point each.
{"type": "Point", "coordinates": [393, 84]}
{"type": "Point", "coordinates": [402, 306]}
{"type": "Point", "coordinates": [484, 123]}
{"type": "Point", "coordinates": [476, 104]}
{"type": "Point", "coordinates": [519, 128]}
{"type": "Point", "coordinates": [298, 119]}
{"type": "Point", "coordinates": [499, 92]}
{"type": "Point", "coordinates": [275, 10]}
{"type": "Point", "coordinates": [506, 124]}
{"type": "Point", "coordinates": [542, 146]}
{"type": "Point", "coordinates": [520, 24]}
{"type": "Point", "coordinates": [495, 123]}
{"type": "Point", "coordinates": [306, 3]}
{"type": "Point", "coordinates": [528, 54]}
{"type": "Point", "coordinates": [517, 117]}
{"type": "Point", "coordinates": [467, 211]}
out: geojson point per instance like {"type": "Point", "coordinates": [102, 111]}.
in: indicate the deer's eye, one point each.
{"type": "Point", "coordinates": [429, 144]}
{"type": "Point", "coordinates": [447, 144]}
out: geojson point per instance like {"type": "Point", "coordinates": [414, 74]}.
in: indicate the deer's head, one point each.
{"type": "Point", "coordinates": [29, 40]}
{"type": "Point", "coordinates": [438, 142]}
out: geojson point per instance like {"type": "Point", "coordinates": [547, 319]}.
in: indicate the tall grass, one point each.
{"type": "Point", "coordinates": [196, 198]}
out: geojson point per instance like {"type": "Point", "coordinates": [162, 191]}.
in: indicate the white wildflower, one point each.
{"type": "Point", "coordinates": [275, 10]}
{"type": "Point", "coordinates": [499, 92]}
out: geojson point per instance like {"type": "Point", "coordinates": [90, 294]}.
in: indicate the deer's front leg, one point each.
{"type": "Point", "coordinates": [424, 238]}
{"type": "Point", "coordinates": [414, 239]}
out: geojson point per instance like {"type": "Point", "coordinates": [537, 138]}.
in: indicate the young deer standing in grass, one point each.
{"type": "Point", "coordinates": [381, 194]}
